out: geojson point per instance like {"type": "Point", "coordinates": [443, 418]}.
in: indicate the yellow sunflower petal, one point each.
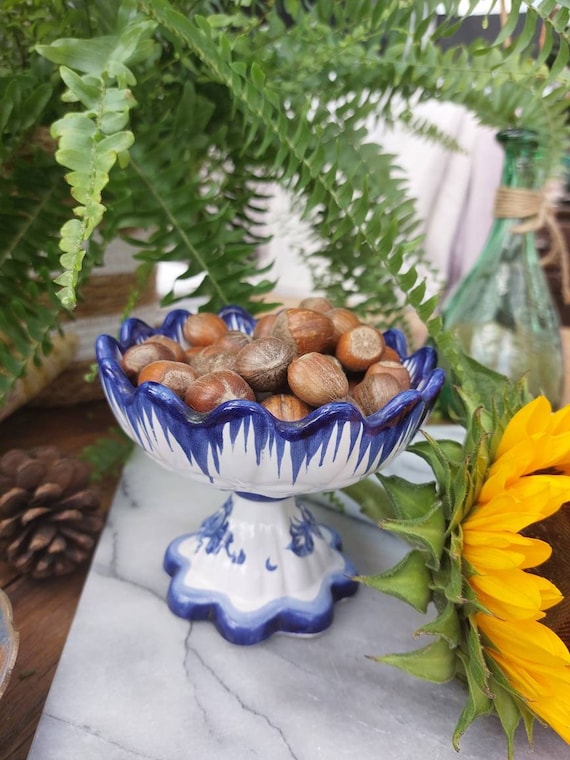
{"type": "Point", "coordinates": [535, 439]}
{"type": "Point", "coordinates": [533, 488]}
{"type": "Point", "coordinates": [561, 420]}
{"type": "Point", "coordinates": [557, 455]}
{"type": "Point", "coordinates": [510, 556]}
{"type": "Point", "coordinates": [537, 664]}
{"type": "Point", "coordinates": [509, 521]}
{"type": "Point", "coordinates": [529, 500]}
{"type": "Point", "coordinates": [532, 418]}
{"type": "Point", "coordinates": [515, 595]}
{"type": "Point", "coordinates": [531, 640]}
{"type": "Point", "coordinates": [507, 470]}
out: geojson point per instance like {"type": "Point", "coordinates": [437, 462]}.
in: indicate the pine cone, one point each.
{"type": "Point", "coordinates": [49, 519]}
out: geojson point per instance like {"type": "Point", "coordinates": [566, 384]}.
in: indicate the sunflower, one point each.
{"type": "Point", "coordinates": [490, 542]}
{"type": "Point", "coordinates": [528, 482]}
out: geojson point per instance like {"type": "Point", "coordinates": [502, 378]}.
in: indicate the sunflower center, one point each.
{"type": "Point", "coordinates": [547, 471]}
{"type": "Point", "coordinates": [555, 530]}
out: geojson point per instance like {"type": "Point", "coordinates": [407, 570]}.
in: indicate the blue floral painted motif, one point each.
{"type": "Point", "coordinates": [217, 536]}
{"type": "Point", "coordinates": [302, 531]}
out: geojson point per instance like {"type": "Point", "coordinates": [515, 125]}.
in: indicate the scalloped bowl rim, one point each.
{"type": "Point", "coordinates": [109, 349]}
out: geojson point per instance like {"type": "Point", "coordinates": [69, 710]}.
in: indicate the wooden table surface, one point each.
{"type": "Point", "coordinates": [43, 610]}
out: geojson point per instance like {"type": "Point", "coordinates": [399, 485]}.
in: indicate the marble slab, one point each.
{"type": "Point", "coordinates": [135, 682]}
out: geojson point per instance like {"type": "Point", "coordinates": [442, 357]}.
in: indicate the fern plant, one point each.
{"type": "Point", "coordinates": [172, 117]}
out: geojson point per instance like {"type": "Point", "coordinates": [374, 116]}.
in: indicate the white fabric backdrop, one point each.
{"type": "Point", "coordinates": [454, 195]}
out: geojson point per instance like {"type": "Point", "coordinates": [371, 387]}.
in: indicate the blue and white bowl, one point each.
{"type": "Point", "coordinates": [261, 563]}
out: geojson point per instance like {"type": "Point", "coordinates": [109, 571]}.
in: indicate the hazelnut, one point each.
{"type": "Point", "coordinates": [360, 347]}
{"type": "Point", "coordinates": [138, 356]}
{"type": "Point", "coordinates": [374, 392]}
{"type": "Point", "coordinates": [233, 341]}
{"type": "Point", "coordinates": [203, 328]}
{"type": "Point", "coordinates": [210, 359]}
{"type": "Point", "coordinates": [317, 379]}
{"type": "Point", "coordinates": [316, 303]}
{"type": "Point", "coordinates": [391, 355]}
{"type": "Point", "coordinates": [173, 345]}
{"type": "Point", "coordinates": [286, 407]}
{"type": "Point", "coordinates": [264, 326]}
{"type": "Point", "coordinates": [174, 375]}
{"type": "Point", "coordinates": [208, 391]}
{"type": "Point", "coordinates": [396, 369]}
{"type": "Point", "coordinates": [264, 362]}
{"type": "Point", "coordinates": [191, 353]}
{"type": "Point", "coordinates": [309, 331]}
{"type": "Point", "coordinates": [343, 320]}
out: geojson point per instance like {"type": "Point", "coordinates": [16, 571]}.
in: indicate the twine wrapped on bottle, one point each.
{"type": "Point", "coordinates": [538, 213]}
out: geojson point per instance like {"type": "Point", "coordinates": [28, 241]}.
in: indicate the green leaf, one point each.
{"type": "Point", "coordinates": [372, 499]}
{"type": "Point", "coordinates": [411, 500]}
{"type": "Point", "coordinates": [443, 456]}
{"type": "Point", "coordinates": [509, 714]}
{"type": "Point", "coordinates": [510, 707]}
{"type": "Point", "coordinates": [408, 580]}
{"type": "Point", "coordinates": [84, 55]}
{"type": "Point", "coordinates": [87, 90]}
{"type": "Point", "coordinates": [446, 625]}
{"type": "Point", "coordinates": [425, 533]}
{"type": "Point", "coordinates": [257, 76]}
{"type": "Point", "coordinates": [108, 454]}
{"type": "Point", "coordinates": [478, 704]}
{"type": "Point", "coordinates": [116, 143]}
{"type": "Point", "coordinates": [436, 662]}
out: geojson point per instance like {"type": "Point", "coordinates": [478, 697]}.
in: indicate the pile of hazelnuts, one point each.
{"type": "Point", "coordinates": [296, 360]}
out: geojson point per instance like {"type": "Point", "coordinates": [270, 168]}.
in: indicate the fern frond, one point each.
{"type": "Point", "coordinates": [92, 140]}
{"type": "Point", "coordinates": [193, 211]}
{"type": "Point", "coordinates": [301, 158]}
{"type": "Point", "coordinates": [31, 213]}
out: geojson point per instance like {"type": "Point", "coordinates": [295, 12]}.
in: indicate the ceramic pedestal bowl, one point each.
{"type": "Point", "coordinates": [261, 563]}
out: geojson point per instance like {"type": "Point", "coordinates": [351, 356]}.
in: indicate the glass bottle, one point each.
{"type": "Point", "coordinates": [502, 311]}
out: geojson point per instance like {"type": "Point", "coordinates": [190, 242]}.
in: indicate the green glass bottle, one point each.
{"type": "Point", "coordinates": [502, 311]}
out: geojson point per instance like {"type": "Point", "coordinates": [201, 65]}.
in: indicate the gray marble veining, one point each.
{"type": "Point", "coordinates": [135, 682]}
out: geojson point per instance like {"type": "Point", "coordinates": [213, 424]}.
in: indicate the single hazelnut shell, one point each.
{"type": "Point", "coordinates": [174, 375]}
{"type": "Point", "coordinates": [173, 345]}
{"type": "Point", "coordinates": [264, 362]}
{"type": "Point", "coordinates": [317, 379]}
{"type": "Point", "coordinates": [374, 392]}
{"type": "Point", "coordinates": [359, 347]}
{"type": "Point", "coordinates": [343, 320]}
{"type": "Point", "coordinates": [308, 330]}
{"type": "Point", "coordinates": [264, 326]}
{"type": "Point", "coordinates": [211, 359]}
{"type": "Point", "coordinates": [391, 355]}
{"type": "Point", "coordinates": [138, 356]}
{"type": "Point", "coordinates": [191, 353]}
{"type": "Point", "coordinates": [396, 369]}
{"type": "Point", "coordinates": [208, 391]}
{"type": "Point", "coordinates": [204, 328]}
{"type": "Point", "coordinates": [316, 303]}
{"type": "Point", "coordinates": [286, 407]}
{"type": "Point", "coordinates": [233, 341]}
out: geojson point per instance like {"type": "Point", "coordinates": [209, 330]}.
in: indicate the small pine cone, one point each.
{"type": "Point", "coordinates": [49, 518]}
